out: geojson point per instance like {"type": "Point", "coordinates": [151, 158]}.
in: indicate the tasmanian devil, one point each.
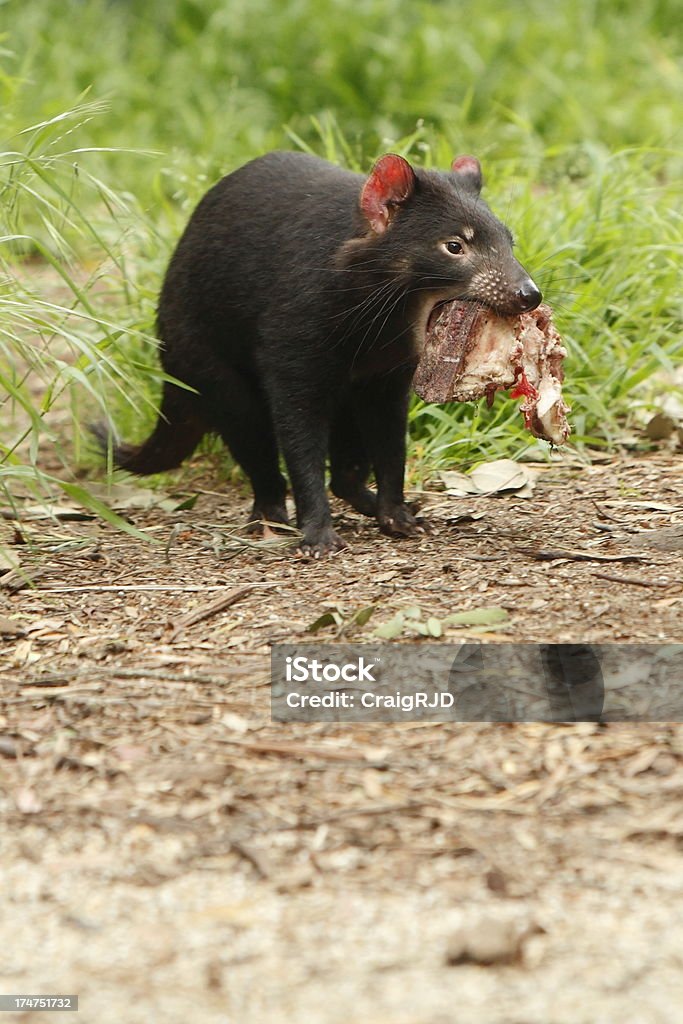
{"type": "Point", "coordinates": [295, 305]}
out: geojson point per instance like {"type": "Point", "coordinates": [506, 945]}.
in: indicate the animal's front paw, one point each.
{"type": "Point", "coordinates": [399, 521]}
{"type": "Point", "coordinates": [320, 542]}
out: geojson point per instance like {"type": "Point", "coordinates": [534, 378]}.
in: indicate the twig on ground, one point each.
{"type": "Point", "coordinates": [172, 538]}
{"type": "Point", "coordinates": [134, 587]}
{"type": "Point", "coordinates": [305, 751]}
{"type": "Point", "coordinates": [551, 554]}
{"type": "Point", "coordinates": [210, 610]}
{"type": "Point", "coordinates": [633, 580]}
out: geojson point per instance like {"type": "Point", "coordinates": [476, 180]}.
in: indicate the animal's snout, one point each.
{"type": "Point", "coordinates": [528, 296]}
{"type": "Point", "coordinates": [506, 289]}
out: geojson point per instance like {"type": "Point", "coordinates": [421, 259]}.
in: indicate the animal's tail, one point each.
{"type": "Point", "coordinates": [177, 433]}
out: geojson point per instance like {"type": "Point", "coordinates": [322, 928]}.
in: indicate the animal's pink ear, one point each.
{"type": "Point", "coordinates": [468, 170]}
{"type": "Point", "coordinates": [391, 182]}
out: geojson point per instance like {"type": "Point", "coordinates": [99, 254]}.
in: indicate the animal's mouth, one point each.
{"type": "Point", "coordinates": [458, 310]}
{"type": "Point", "coordinates": [511, 302]}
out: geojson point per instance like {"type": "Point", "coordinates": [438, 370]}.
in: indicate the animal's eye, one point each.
{"type": "Point", "coordinates": [454, 247]}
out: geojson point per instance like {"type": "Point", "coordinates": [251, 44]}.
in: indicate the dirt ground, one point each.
{"type": "Point", "coordinates": [169, 853]}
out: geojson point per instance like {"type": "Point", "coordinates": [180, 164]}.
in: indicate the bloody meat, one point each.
{"type": "Point", "coordinates": [470, 353]}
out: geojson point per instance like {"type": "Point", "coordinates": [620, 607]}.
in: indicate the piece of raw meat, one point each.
{"type": "Point", "coordinates": [470, 352]}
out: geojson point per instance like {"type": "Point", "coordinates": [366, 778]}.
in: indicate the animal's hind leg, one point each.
{"type": "Point", "coordinates": [239, 412]}
{"type": "Point", "coordinates": [350, 463]}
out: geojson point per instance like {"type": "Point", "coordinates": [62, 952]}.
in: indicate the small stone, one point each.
{"type": "Point", "coordinates": [488, 941]}
{"type": "Point", "coordinates": [660, 427]}
{"type": "Point", "coordinates": [496, 881]}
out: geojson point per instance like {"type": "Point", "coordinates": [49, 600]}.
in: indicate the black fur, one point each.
{"type": "Point", "coordinates": [299, 324]}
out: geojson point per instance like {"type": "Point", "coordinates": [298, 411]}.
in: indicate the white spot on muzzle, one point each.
{"type": "Point", "coordinates": [489, 287]}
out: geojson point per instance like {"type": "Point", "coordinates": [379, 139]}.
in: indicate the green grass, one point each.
{"type": "Point", "coordinates": [211, 82]}
{"type": "Point", "coordinates": [74, 326]}
{"type": "Point", "coordinates": [576, 110]}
